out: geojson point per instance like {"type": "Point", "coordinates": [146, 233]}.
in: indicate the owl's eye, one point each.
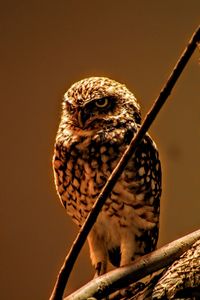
{"type": "Point", "coordinates": [102, 103]}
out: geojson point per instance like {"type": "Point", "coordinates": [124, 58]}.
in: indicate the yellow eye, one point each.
{"type": "Point", "coordinates": [103, 102]}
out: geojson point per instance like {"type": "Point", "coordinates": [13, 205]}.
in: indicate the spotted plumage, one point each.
{"type": "Point", "coordinates": [99, 118]}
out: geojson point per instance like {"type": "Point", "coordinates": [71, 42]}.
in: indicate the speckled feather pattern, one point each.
{"type": "Point", "coordinates": [99, 118]}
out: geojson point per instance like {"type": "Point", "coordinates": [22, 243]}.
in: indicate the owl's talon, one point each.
{"type": "Point", "coordinates": [97, 269]}
{"type": "Point", "coordinates": [100, 269]}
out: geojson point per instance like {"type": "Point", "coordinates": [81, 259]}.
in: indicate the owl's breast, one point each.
{"type": "Point", "coordinates": [82, 164]}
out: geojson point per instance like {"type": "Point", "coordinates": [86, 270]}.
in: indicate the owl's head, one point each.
{"type": "Point", "coordinates": [97, 102]}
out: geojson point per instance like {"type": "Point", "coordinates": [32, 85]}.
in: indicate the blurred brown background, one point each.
{"type": "Point", "coordinates": [45, 46]}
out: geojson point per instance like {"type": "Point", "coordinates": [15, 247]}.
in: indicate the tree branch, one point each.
{"type": "Point", "coordinates": [92, 216]}
{"type": "Point", "coordinates": [119, 278]}
{"type": "Point", "coordinates": [183, 276]}
{"type": "Point", "coordinates": [139, 290]}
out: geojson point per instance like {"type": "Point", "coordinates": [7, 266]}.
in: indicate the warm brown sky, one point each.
{"type": "Point", "coordinates": [47, 45]}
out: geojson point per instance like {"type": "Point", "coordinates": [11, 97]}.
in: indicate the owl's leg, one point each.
{"type": "Point", "coordinates": [127, 247]}
{"type": "Point", "coordinates": [98, 253]}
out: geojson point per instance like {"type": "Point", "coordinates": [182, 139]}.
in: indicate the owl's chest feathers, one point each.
{"type": "Point", "coordinates": [84, 162]}
{"type": "Point", "coordinates": [82, 165]}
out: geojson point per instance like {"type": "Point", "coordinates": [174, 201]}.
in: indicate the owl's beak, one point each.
{"type": "Point", "coordinates": [80, 118]}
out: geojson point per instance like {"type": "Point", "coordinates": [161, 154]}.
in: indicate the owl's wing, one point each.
{"type": "Point", "coordinates": [147, 169]}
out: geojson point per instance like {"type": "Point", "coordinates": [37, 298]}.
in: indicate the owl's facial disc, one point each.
{"type": "Point", "coordinates": [95, 110]}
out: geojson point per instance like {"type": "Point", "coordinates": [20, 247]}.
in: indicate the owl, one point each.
{"type": "Point", "coordinates": [99, 118]}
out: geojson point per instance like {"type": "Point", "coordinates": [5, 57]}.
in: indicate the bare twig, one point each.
{"type": "Point", "coordinates": [119, 278]}
{"type": "Point", "coordinates": [92, 216]}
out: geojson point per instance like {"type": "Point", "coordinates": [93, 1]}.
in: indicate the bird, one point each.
{"type": "Point", "coordinates": [99, 117]}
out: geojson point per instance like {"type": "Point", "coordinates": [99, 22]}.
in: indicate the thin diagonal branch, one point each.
{"type": "Point", "coordinates": [92, 216]}
{"type": "Point", "coordinates": [122, 277]}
